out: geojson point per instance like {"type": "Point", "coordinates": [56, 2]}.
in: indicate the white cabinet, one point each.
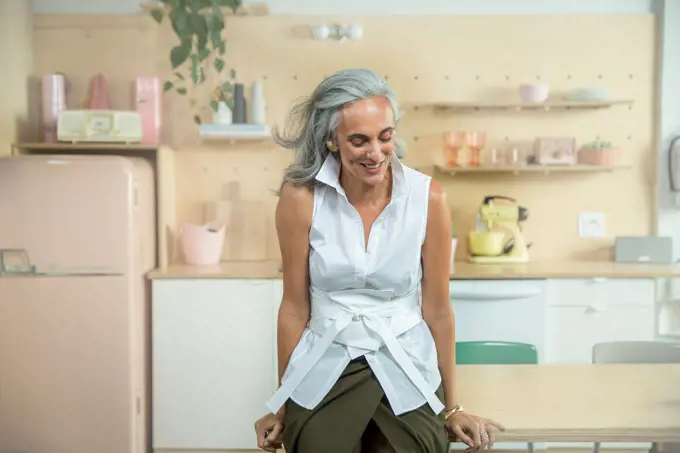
{"type": "Point", "coordinates": [583, 312]}
{"type": "Point", "coordinates": [214, 361]}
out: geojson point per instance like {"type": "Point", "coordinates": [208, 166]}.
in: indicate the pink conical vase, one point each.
{"type": "Point", "coordinates": [98, 97]}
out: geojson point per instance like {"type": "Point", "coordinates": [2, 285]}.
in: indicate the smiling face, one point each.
{"type": "Point", "coordinates": [365, 138]}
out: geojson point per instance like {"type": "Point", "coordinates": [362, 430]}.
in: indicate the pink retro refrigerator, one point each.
{"type": "Point", "coordinates": [76, 238]}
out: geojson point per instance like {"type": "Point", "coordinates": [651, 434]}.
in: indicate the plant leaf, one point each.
{"type": "Point", "coordinates": [199, 24]}
{"type": "Point", "coordinates": [199, 5]}
{"type": "Point", "coordinates": [192, 102]}
{"type": "Point", "coordinates": [214, 105]}
{"type": "Point", "coordinates": [167, 86]}
{"type": "Point", "coordinates": [233, 74]}
{"type": "Point", "coordinates": [201, 42]}
{"type": "Point", "coordinates": [157, 15]}
{"type": "Point", "coordinates": [227, 87]}
{"type": "Point", "coordinates": [217, 16]}
{"type": "Point", "coordinates": [197, 119]}
{"type": "Point", "coordinates": [181, 23]}
{"type": "Point", "coordinates": [232, 4]}
{"type": "Point", "coordinates": [182, 91]}
{"type": "Point", "coordinates": [203, 54]}
{"type": "Point", "coordinates": [194, 68]}
{"type": "Point", "coordinates": [219, 64]}
{"type": "Point", "coordinates": [179, 54]}
{"type": "Point", "coordinates": [222, 47]}
{"type": "Point", "coordinates": [179, 75]}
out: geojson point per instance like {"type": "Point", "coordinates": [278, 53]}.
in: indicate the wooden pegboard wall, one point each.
{"type": "Point", "coordinates": [426, 60]}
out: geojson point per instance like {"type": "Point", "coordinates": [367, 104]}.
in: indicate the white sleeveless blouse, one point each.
{"type": "Point", "coordinates": [365, 300]}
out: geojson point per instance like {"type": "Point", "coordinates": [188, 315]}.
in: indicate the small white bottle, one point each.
{"type": "Point", "coordinates": [257, 110]}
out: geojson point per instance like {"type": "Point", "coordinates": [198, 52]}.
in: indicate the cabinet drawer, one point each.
{"type": "Point", "coordinates": [597, 292]}
{"type": "Point", "coordinates": [572, 331]}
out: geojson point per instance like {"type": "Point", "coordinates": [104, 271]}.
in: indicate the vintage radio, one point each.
{"type": "Point", "coordinates": [104, 126]}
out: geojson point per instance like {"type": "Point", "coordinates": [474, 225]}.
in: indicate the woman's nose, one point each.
{"type": "Point", "coordinates": [375, 152]}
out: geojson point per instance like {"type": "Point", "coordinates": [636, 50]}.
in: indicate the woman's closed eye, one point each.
{"type": "Point", "coordinates": [358, 143]}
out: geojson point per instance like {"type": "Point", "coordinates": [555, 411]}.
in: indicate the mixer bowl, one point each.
{"type": "Point", "coordinates": [486, 243]}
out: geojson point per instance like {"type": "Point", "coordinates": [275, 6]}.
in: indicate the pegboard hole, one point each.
{"type": "Point", "coordinates": [599, 76]}
{"type": "Point", "coordinates": [568, 76]}
{"type": "Point", "coordinates": [507, 77]}
{"type": "Point", "coordinates": [415, 77]}
{"type": "Point", "coordinates": [415, 139]}
{"type": "Point", "coordinates": [507, 139]}
{"type": "Point", "coordinates": [264, 77]}
{"type": "Point", "coordinates": [477, 77]}
{"type": "Point", "coordinates": [387, 77]}
{"type": "Point", "coordinates": [630, 137]}
{"type": "Point", "coordinates": [538, 77]}
{"type": "Point", "coordinates": [630, 76]}
{"type": "Point", "coordinates": [446, 77]}
{"type": "Point", "coordinates": [294, 77]}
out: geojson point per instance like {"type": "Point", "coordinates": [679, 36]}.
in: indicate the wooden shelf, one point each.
{"type": "Point", "coordinates": [235, 132]}
{"type": "Point", "coordinates": [521, 106]}
{"type": "Point", "coordinates": [533, 169]}
{"type": "Point", "coordinates": [19, 148]}
{"type": "Point", "coordinates": [251, 9]}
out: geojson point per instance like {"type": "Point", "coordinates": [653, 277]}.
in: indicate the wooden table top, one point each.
{"type": "Point", "coordinates": [576, 403]}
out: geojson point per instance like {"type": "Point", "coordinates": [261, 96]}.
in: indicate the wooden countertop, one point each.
{"type": "Point", "coordinates": [462, 270]}
{"type": "Point", "coordinates": [564, 269]}
{"type": "Point", "coordinates": [576, 403]}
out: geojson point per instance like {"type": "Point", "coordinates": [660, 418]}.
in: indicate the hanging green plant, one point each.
{"type": "Point", "coordinates": [198, 25]}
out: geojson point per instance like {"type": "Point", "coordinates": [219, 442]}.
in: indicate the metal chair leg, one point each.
{"type": "Point", "coordinates": [596, 447]}
{"type": "Point", "coordinates": [530, 447]}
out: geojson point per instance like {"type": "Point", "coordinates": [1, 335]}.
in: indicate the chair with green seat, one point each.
{"type": "Point", "coordinates": [496, 353]}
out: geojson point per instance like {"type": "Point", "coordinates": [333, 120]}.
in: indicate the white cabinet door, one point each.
{"type": "Point", "coordinates": [508, 310]}
{"type": "Point", "coordinates": [583, 312]}
{"type": "Point", "coordinates": [213, 361]}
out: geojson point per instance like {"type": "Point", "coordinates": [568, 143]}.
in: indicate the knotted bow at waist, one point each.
{"type": "Point", "coordinates": [363, 321]}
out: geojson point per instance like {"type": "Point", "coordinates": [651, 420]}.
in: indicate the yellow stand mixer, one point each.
{"type": "Point", "coordinates": [498, 218]}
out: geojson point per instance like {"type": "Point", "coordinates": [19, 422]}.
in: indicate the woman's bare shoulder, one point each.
{"type": "Point", "coordinates": [295, 205]}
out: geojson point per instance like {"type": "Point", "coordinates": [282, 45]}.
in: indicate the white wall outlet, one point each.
{"type": "Point", "coordinates": [591, 225]}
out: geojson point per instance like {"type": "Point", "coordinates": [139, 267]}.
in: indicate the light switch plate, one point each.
{"type": "Point", "coordinates": [591, 225]}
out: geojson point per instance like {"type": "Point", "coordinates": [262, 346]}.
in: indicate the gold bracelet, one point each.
{"type": "Point", "coordinates": [450, 412]}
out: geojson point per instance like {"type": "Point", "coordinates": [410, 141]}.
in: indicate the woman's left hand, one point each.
{"type": "Point", "coordinates": [476, 432]}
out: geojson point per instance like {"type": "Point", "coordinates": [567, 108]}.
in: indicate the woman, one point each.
{"type": "Point", "coordinates": [365, 362]}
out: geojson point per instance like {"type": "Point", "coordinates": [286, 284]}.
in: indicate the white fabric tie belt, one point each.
{"type": "Point", "coordinates": [358, 322]}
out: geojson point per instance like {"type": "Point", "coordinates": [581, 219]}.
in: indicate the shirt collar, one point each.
{"type": "Point", "coordinates": [330, 175]}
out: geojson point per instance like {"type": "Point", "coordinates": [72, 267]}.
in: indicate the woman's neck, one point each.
{"type": "Point", "coordinates": [359, 193]}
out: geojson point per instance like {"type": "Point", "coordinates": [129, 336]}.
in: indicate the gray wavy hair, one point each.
{"type": "Point", "coordinates": [315, 118]}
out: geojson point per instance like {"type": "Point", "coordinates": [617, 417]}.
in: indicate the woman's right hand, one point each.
{"type": "Point", "coordinates": [268, 430]}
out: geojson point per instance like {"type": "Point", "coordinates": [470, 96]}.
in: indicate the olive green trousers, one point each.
{"type": "Point", "coordinates": [338, 422]}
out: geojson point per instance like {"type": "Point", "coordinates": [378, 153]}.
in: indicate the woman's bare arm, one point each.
{"type": "Point", "coordinates": [293, 221]}
{"type": "Point", "coordinates": [437, 310]}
